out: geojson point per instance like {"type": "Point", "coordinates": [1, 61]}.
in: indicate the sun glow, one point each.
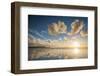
{"type": "Point", "coordinates": [76, 51]}
{"type": "Point", "coordinates": [76, 44]}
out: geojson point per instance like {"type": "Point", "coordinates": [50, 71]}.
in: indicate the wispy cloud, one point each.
{"type": "Point", "coordinates": [31, 36]}
{"type": "Point", "coordinates": [44, 32]}
{"type": "Point", "coordinates": [30, 31]}
{"type": "Point", "coordinates": [31, 39]}
{"type": "Point", "coordinates": [40, 35]}
{"type": "Point", "coordinates": [37, 33]}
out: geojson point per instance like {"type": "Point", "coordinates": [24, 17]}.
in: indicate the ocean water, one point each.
{"type": "Point", "coordinates": [37, 53]}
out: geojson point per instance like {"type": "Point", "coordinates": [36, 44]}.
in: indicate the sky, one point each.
{"type": "Point", "coordinates": [57, 27]}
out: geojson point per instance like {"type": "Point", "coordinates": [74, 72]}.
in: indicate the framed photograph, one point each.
{"type": "Point", "coordinates": [52, 37]}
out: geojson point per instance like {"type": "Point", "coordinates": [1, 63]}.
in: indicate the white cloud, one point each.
{"type": "Point", "coordinates": [76, 26]}
{"type": "Point", "coordinates": [57, 28]}
{"type": "Point", "coordinates": [83, 34]}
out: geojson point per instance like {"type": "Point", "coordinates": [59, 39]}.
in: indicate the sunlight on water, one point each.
{"type": "Point", "coordinates": [52, 54]}
{"type": "Point", "coordinates": [76, 51]}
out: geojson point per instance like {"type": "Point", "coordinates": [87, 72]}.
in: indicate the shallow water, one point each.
{"type": "Point", "coordinates": [55, 53]}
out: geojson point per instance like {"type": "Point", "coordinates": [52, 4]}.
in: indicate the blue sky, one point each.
{"type": "Point", "coordinates": [38, 25]}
